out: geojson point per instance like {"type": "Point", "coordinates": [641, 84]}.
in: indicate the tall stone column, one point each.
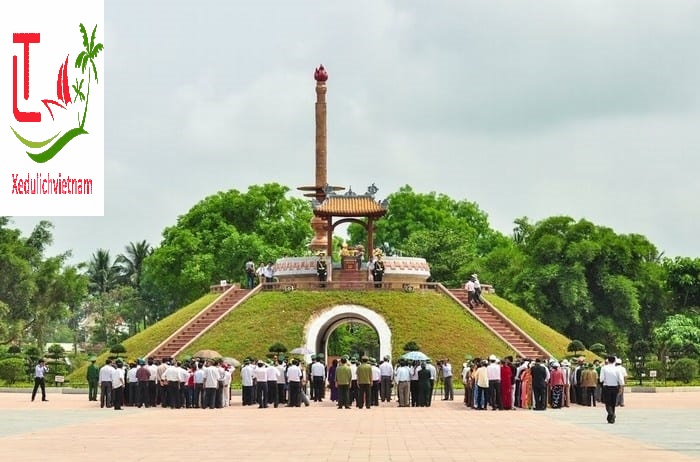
{"type": "Point", "coordinates": [320, 240]}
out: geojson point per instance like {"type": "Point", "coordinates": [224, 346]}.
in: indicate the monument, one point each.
{"type": "Point", "coordinates": [350, 207]}
{"type": "Point", "coordinates": [320, 188]}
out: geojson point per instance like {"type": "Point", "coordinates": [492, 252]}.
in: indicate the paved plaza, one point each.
{"type": "Point", "coordinates": [651, 427]}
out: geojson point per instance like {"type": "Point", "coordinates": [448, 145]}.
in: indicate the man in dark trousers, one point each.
{"type": "Point", "coordinates": [378, 271]}
{"type": "Point", "coordinates": [93, 378]}
{"type": "Point", "coordinates": [322, 269]}
{"type": "Point", "coordinates": [39, 379]}
{"type": "Point", "coordinates": [613, 381]}
{"type": "Point", "coordinates": [364, 381]}
{"type": "Point", "coordinates": [539, 384]}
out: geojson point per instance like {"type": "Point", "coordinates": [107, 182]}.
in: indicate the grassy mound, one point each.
{"type": "Point", "coordinates": [439, 326]}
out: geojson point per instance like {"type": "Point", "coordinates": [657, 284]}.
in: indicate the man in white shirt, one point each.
{"type": "Point", "coordinates": [211, 383]}
{"type": "Point", "coordinates": [477, 290]}
{"type": "Point", "coordinates": [447, 380]}
{"type": "Point", "coordinates": [247, 383]}
{"type": "Point", "coordinates": [183, 376]}
{"type": "Point", "coordinates": [261, 384]}
{"type": "Point", "coordinates": [273, 376]}
{"type": "Point", "coordinates": [171, 377]}
{"type": "Point", "coordinates": [493, 372]}
{"type": "Point", "coordinates": [403, 380]}
{"type": "Point", "coordinates": [294, 378]}
{"type": "Point", "coordinates": [376, 378]}
{"type": "Point", "coordinates": [39, 379]}
{"type": "Point", "coordinates": [132, 385]}
{"type": "Point", "coordinates": [612, 380]}
{"type": "Point", "coordinates": [106, 384]}
{"type": "Point", "coordinates": [318, 379]}
{"type": "Point", "coordinates": [152, 393]}
{"type": "Point", "coordinates": [354, 389]}
{"type": "Point", "coordinates": [471, 293]}
{"type": "Point", "coordinates": [118, 386]}
{"type": "Point", "coordinates": [387, 375]}
{"type": "Point", "coordinates": [198, 386]}
{"type": "Point", "coordinates": [269, 272]}
{"type": "Point", "coordinates": [282, 381]}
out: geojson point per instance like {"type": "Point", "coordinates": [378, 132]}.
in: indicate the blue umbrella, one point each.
{"type": "Point", "coordinates": [415, 356]}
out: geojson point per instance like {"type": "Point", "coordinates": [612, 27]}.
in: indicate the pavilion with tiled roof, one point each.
{"type": "Point", "coordinates": [350, 208]}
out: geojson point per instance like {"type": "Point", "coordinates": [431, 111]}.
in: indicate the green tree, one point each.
{"type": "Point", "coordinates": [684, 282]}
{"type": "Point", "coordinates": [677, 333]}
{"type": "Point", "coordinates": [598, 348]}
{"type": "Point", "coordinates": [450, 234]}
{"type": "Point", "coordinates": [685, 369]}
{"type": "Point", "coordinates": [103, 273]}
{"type": "Point", "coordinates": [585, 280]}
{"type": "Point", "coordinates": [12, 369]}
{"type": "Point", "coordinates": [214, 239]}
{"type": "Point", "coordinates": [17, 282]}
{"type": "Point", "coordinates": [575, 346]}
{"type": "Point", "coordinates": [132, 260]}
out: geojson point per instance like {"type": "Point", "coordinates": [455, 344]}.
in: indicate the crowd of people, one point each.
{"type": "Point", "coordinates": [202, 384]}
{"type": "Point", "coordinates": [501, 384]}
{"type": "Point", "coordinates": [538, 384]}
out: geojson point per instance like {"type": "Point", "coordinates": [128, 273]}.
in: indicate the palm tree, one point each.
{"type": "Point", "coordinates": [86, 56]}
{"type": "Point", "coordinates": [102, 272]}
{"type": "Point", "coordinates": [132, 262]}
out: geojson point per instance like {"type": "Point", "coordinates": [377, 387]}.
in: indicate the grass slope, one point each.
{"type": "Point", "coordinates": [550, 339]}
{"type": "Point", "coordinates": [439, 326]}
{"type": "Point", "coordinates": [434, 321]}
{"type": "Point", "coordinates": [142, 343]}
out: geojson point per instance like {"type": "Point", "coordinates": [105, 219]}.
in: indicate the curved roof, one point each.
{"type": "Point", "coordinates": [350, 206]}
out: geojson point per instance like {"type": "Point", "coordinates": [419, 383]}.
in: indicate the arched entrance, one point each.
{"type": "Point", "coordinates": [320, 327]}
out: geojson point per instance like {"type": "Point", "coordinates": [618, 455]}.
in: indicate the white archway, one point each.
{"type": "Point", "coordinates": [326, 321]}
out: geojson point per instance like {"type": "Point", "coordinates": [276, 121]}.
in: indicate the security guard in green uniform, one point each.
{"type": "Point", "coordinates": [93, 377]}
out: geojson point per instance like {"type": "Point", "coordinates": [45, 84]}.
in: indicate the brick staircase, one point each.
{"type": "Point", "coordinates": [202, 322]}
{"type": "Point", "coordinates": [349, 277]}
{"type": "Point", "coordinates": [499, 323]}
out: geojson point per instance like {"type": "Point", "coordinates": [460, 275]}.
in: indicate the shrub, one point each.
{"type": "Point", "coordinates": [685, 369]}
{"type": "Point", "coordinates": [34, 353]}
{"type": "Point", "coordinates": [657, 366]}
{"type": "Point", "coordinates": [117, 348]}
{"type": "Point", "coordinates": [411, 346]}
{"type": "Point", "coordinates": [14, 349]}
{"type": "Point", "coordinates": [575, 346]}
{"type": "Point", "coordinates": [56, 351]}
{"type": "Point", "coordinates": [12, 369]}
{"type": "Point", "coordinates": [278, 347]}
{"type": "Point", "coordinates": [598, 348]}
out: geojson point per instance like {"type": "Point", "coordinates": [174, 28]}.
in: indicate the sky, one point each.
{"type": "Point", "coordinates": [589, 109]}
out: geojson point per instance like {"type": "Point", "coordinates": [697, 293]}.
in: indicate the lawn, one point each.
{"type": "Point", "coordinates": [439, 326]}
